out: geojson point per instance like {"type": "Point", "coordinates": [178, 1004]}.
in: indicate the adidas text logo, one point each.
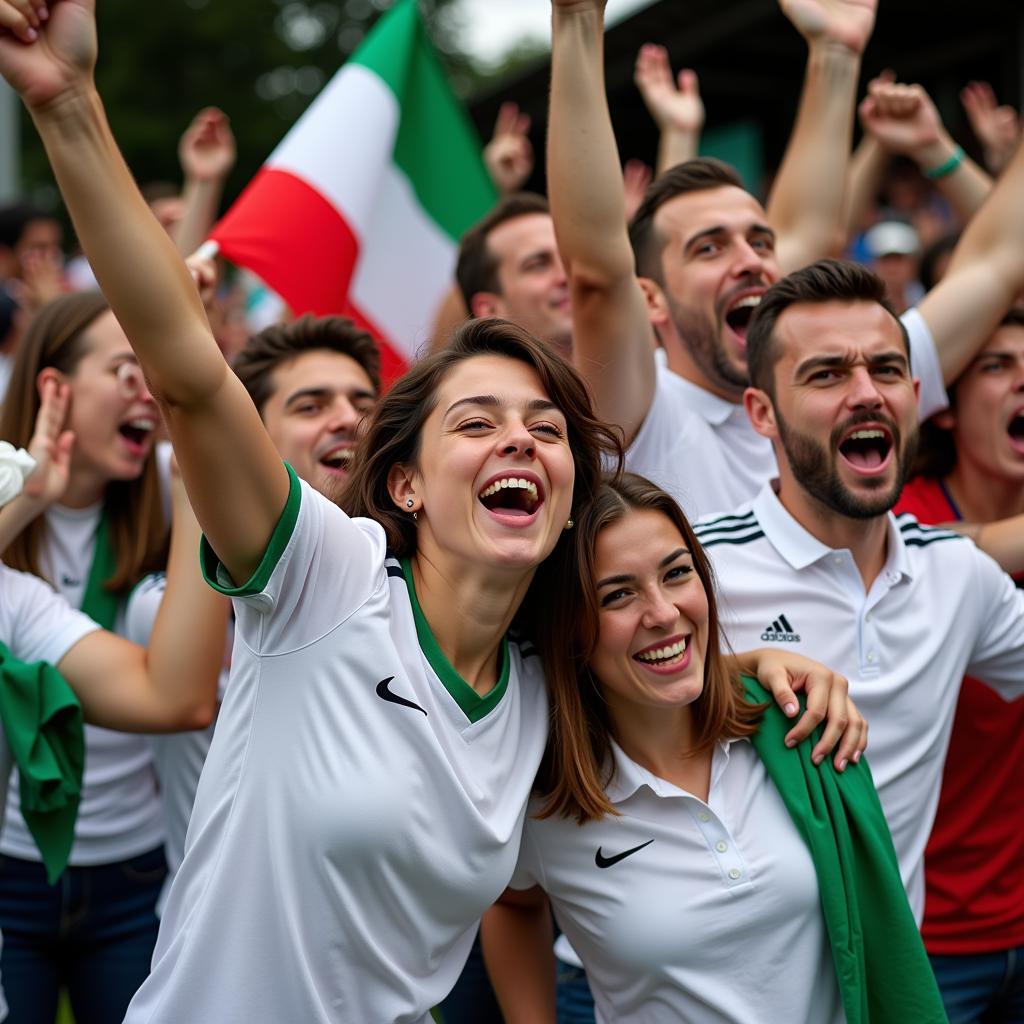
{"type": "Point", "coordinates": [780, 631]}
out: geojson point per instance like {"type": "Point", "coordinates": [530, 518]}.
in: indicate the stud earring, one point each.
{"type": "Point", "coordinates": [409, 503]}
{"type": "Point", "coordinates": [569, 524]}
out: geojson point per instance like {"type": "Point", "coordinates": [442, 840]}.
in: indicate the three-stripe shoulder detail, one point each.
{"type": "Point", "coordinates": [917, 535]}
{"type": "Point", "coordinates": [729, 529]}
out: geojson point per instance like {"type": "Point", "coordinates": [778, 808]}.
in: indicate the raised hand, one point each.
{"type": "Point", "coordinates": [846, 23]}
{"type": "Point", "coordinates": [902, 117]}
{"type": "Point", "coordinates": [50, 445]}
{"type": "Point", "coordinates": [52, 57]}
{"type": "Point", "coordinates": [673, 104]}
{"type": "Point", "coordinates": [509, 155]}
{"type": "Point", "coordinates": [997, 127]}
{"type": "Point", "coordinates": [636, 176]}
{"type": "Point", "coordinates": [207, 148]}
{"type": "Point", "coordinates": [204, 273]}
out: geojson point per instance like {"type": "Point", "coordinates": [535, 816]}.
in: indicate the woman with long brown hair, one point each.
{"type": "Point", "coordinates": [700, 869]}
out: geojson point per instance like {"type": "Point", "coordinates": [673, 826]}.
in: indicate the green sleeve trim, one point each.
{"type": "Point", "coordinates": [474, 705]}
{"type": "Point", "coordinates": [212, 567]}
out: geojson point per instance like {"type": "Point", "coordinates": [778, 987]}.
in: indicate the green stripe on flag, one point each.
{"type": "Point", "coordinates": [436, 148]}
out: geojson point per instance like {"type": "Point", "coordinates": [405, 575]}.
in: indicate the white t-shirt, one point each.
{"type": "Point", "coordinates": [178, 756]}
{"type": "Point", "coordinates": [119, 816]}
{"type": "Point", "coordinates": [690, 911]}
{"type": "Point", "coordinates": [939, 609]}
{"type": "Point", "coordinates": [704, 451]}
{"type": "Point", "coordinates": [360, 806]}
{"type": "Point", "coordinates": [36, 625]}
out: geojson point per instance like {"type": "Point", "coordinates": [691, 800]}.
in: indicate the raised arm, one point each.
{"type": "Point", "coordinates": [234, 476]}
{"type": "Point", "coordinates": [985, 275]}
{"type": "Point", "coordinates": [905, 121]}
{"type": "Point", "coordinates": [613, 341]}
{"type": "Point", "coordinates": [207, 154]}
{"type": "Point", "coordinates": [806, 204]}
{"type": "Point", "coordinates": [675, 105]}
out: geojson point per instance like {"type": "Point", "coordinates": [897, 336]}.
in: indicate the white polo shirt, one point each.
{"type": "Point", "coordinates": [939, 609]}
{"type": "Point", "coordinates": [360, 806]}
{"type": "Point", "coordinates": [704, 451]}
{"type": "Point", "coordinates": [679, 908]}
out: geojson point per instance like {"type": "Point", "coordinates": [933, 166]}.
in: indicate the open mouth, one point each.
{"type": "Point", "coordinates": [668, 655]}
{"type": "Point", "coordinates": [867, 448]}
{"type": "Point", "coordinates": [739, 313]}
{"type": "Point", "coordinates": [1016, 431]}
{"type": "Point", "coordinates": [516, 497]}
{"type": "Point", "coordinates": [138, 431]}
{"type": "Point", "coordinates": [338, 460]}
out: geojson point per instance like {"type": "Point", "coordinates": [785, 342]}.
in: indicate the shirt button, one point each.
{"type": "Point", "coordinates": [704, 816]}
{"type": "Point", "coordinates": [837, 559]}
{"type": "Point", "coordinates": [871, 657]}
{"type": "Point", "coordinates": [734, 873]}
{"type": "Point", "coordinates": [721, 846]}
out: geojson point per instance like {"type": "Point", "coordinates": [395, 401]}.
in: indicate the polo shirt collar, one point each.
{"type": "Point", "coordinates": [801, 549]}
{"type": "Point", "coordinates": [629, 777]}
{"type": "Point", "coordinates": [709, 407]}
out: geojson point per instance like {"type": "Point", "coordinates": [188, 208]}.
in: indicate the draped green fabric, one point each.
{"type": "Point", "coordinates": [883, 971]}
{"type": "Point", "coordinates": [42, 721]}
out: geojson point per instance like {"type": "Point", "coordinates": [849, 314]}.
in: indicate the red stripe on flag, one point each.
{"type": "Point", "coordinates": [294, 239]}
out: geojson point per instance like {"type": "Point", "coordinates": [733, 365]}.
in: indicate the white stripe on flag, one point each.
{"type": "Point", "coordinates": [344, 166]}
{"type": "Point", "coordinates": [405, 266]}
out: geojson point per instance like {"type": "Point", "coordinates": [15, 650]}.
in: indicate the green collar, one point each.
{"type": "Point", "coordinates": [472, 703]}
{"type": "Point", "coordinates": [99, 603]}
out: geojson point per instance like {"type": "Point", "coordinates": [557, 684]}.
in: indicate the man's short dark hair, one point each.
{"type": "Point", "coordinates": [824, 281]}
{"type": "Point", "coordinates": [264, 352]}
{"type": "Point", "coordinates": [477, 267]}
{"type": "Point", "coordinates": [15, 217]}
{"type": "Point", "coordinates": [697, 175]}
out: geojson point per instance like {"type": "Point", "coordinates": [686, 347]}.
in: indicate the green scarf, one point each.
{"type": "Point", "coordinates": [883, 971]}
{"type": "Point", "coordinates": [99, 603]}
{"type": "Point", "coordinates": [42, 721]}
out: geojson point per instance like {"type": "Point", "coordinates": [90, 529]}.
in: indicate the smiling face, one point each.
{"type": "Point", "coordinates": [845, 406]}
{"type": "Point", "coordinates": [315, 413]}
{"type": "Point", "coordinates": [112, 414]}
{"type": "Point", "coordinates": [718, 259]}
{"type": "Point", "coordinates": [493, 479]}
{"type": "Point", "coordinates": [653, 619]}
{"type": "Point", "coordinates": [533, 290]}
{"type": "Point", "coordinates": [988, 418]}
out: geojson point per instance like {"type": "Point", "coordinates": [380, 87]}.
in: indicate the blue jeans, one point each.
{"type": "Point", "coordinates": [472, 1000]}
{"type": "Point", "coordinates": [93, 933]}
{"type": "Point", "coordinates": [982, 988]}
{"type": "Point", "coordinates": [574, 1001]}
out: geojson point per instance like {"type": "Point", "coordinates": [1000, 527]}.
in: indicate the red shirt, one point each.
{"type": "Point", "coordinates": [974, 861]}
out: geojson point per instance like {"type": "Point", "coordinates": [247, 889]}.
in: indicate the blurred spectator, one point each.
{"type": "Point", "coordinates": [893, 249]}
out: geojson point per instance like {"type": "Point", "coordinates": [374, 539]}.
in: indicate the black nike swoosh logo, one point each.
{"type": "Point", "coordinates": [385, 694]}
{"type": "Point", "coordinates": [606, 862]}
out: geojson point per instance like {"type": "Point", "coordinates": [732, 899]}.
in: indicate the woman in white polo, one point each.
{"type": "Point", "coordinates": [701, 870]}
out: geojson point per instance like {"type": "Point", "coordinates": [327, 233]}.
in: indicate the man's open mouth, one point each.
{"type": "Point", "coordinates": [1015, 428]}
{"type": "Point", "coordinates": [338, 460]}
{"type": "Point", "coordinates": [512, 495]}
{"type": "Point", "coordinates": [866, 448]}
{"type": "Point", "coordinates": [738, 315]}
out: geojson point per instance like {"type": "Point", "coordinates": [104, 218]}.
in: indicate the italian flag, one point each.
{"type": "Point", "coordinates": [359, 209]}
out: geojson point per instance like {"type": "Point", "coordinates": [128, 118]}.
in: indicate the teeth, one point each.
{"type": "Point", "coordinates": [342, 457]}
{"type": "Point", "coordinates": [866, 435]}
{"type": "Point", "coordinates": [747, 302]}
{"type": "Point", "coordinates": [510, 481]}
{"type": "Point", "coordinates": [664, 653]}
{"type": "Point", "coordinates": [142, 423]}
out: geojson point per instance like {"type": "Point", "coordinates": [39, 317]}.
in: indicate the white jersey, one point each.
{"type": "Point", "coordinates": [361, 805]}
{"type": "Point", "coordinates": [704, 451]}
{"type": "Point", "coordinates": [939, 609]}
{"type": "Point", "coordinates": [119, 816]}
{"type": "Point", "coordinates": [679, 908]}
{"type": "Point", "coordinates": [36, 625]}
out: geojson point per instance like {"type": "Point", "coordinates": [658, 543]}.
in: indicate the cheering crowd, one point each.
{"type": "Point", "coordinates": [535, 685]}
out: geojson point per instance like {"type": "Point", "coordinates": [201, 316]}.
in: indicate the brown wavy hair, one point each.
{"type": "Point", "coordinates": [392, 437]}
{"type": "Point", "coordinates": [58, 337]}
{"type": "Point", "coordinates": [578, 760]}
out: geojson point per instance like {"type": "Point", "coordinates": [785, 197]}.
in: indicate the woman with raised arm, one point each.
{"type": "Point", "coordinates": [701, 871]}
{"type": "Point", "coordinates": [364, 793]}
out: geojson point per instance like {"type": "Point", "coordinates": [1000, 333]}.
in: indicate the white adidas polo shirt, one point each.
{"type": "Point", "coordinates": [938, 610]}
{"type": "Point", "coordinates": [680, 907]}
{"type": "Point", "coordinates": [360, 806]}
{"type": "Point", "coordinates": [703, 450]}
